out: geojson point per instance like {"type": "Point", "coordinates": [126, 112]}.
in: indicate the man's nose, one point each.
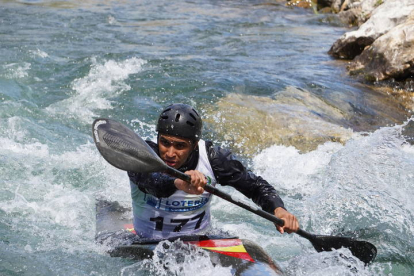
{"type": "Point", "coordinates": [171, 151]}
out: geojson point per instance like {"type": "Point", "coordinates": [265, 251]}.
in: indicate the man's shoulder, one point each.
{"type": "Point", "coordinates": [208, 143]}
{"type": "Point", "coordinates": [210, 148]}
{"type": "Point", "coordinates": [216, 152]}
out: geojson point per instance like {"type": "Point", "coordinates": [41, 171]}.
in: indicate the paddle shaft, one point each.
{"type": "Point", "coordinates": [217, 192]}
{"type": "Point", "coordinates": [223, 195]}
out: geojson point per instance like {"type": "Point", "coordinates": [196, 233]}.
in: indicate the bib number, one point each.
{"type": "Point", "coordinates": [159, 222]}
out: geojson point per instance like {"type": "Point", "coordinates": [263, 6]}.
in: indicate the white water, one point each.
{"type": "Point", "coordinates": [62, 67]}
{"type": "Point", "coordinates": [363, 188]}
{"type": "Point", "coordinates": [104, 81]}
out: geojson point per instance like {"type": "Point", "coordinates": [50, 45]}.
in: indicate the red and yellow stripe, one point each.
{"type": "Point", "coordinates": [130, 228]}
{"type": "Point", "coordinates": [229, 247]}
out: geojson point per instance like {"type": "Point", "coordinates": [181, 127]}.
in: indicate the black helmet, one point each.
{"type": "Point", "coordinates": [180, 120]}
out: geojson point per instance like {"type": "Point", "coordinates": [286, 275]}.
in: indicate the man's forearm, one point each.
{"type": "Point", "coordinates": [156, 184]}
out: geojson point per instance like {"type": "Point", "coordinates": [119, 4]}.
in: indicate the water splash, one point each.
{"type": "Point", "coordinates": [92, 92]}
{"type": "Point", "coordinates": [177, 258]}
{"type": "Point", "coordinates": [339, 262]}
{"type": "Point", "coordinates": [16, 70]}
{"type": "Point", "coordinates": [362, 189]}
{"type": "Point", "coordinates": [288, 169]}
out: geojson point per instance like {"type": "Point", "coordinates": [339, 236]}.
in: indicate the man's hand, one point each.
{"type": "Point", "coordinates": [198, 181]}
{"type": "Point", "coordinates": [291, 222]}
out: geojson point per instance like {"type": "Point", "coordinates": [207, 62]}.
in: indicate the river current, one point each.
{"type": "Point", "coordinates": [259, 74]}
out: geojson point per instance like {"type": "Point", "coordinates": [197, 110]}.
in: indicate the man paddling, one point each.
{"type": "Point", "coordinates": [164, 206]}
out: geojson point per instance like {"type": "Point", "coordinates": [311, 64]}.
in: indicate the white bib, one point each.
{"type": "Point", "coordinates": [179, 214]}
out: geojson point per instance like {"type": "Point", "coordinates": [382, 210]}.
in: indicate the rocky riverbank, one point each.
{"type": "Point", "coordinates": [382, 46]}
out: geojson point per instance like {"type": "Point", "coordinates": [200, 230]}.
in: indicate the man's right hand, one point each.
{"type": "Point", "coordinates": [291, 222]}
{"type": "Point", "coordinates": [196, 187]}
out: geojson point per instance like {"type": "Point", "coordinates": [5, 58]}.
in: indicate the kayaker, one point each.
{"type": "Point", "coordinates": [165, 206]}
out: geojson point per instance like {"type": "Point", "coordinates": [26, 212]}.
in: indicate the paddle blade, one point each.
{"type": "Point", "coordinates": [363, 250]}
{"type": "Point", "coordinates": [123, 148]}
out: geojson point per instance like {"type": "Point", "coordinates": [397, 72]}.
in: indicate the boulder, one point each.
{"type": "Point", "coordinates": [293, 117]}
{"type": "Point", "coordinates": [300, 3]}
{"type": "Point", "coordinates": [408, 132]}
{"type": "Point", "coordinates": [366, 8]}
{"type": "Point", "coordinates": [390, 56]}
{"type": "Point", "coordinates": [342, 5]}
{"type": "Point", "coordinates": [385, 17]}
{"type": "Point", "coordinates": [357, 12]}
{"type": "Point", "coordinates": [336, 5]}
{"type": "Point", "coordinates": [325, 3]}
{"type": "Point", "coordinates": [349, 17]}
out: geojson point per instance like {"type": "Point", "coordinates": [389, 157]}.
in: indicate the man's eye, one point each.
{"type": "Point", "coordinates": [165, 142]}
{"type": "Point", "coordinates": [180, 146]}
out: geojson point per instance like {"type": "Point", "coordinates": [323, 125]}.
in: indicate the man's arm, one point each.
{"type": "Point", "coordinates": [229, 171]}
{"type": "Point", "coordinates": [156, 184]}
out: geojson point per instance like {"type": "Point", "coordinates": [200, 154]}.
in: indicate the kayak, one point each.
{"type": "Point", "coordinates": [114, 228]}
{"type": "Point", "coordinates": [125, 150]}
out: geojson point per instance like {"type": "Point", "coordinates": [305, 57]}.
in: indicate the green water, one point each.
{"type": "Point", "coordinates": [257, 71]}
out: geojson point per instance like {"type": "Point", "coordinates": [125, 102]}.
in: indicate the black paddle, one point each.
{"type": "Point", "coordinates": [124, 149]}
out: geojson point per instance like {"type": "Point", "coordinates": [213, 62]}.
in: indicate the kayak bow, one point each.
{"type": "Point", "coordinates": [244, 256]}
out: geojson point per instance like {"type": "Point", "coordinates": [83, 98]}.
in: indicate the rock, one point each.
{"type": "Point", "coordinates": [336, 5]}
{"type": "Point", "coordinates": [301, 3]}
{"type": "Point", "coordinates": [325, 3]}
{"type": "Point", "coordinates": [408, 132]}
{"type": "Point", "coordinates": [325, 10]}
{"type": "Point", "coordinates": [366, 8]}
{"type": "Point", "coordinates": [385, 17]}
{"type": "Point", "coordinates": [390, 56]}
{"type": "Point", "coordinates": [400, 91]}
{"type": "Point", "coordinates": [357, 12]}
{"type": "Point", "coordinates": [294, 117]}
{"type": "Point", "coordinates": [342, 5]}
{"type": "Point", "coordinates": [350, 47]}
{"type": "Point", "coordinates": [349, 17]}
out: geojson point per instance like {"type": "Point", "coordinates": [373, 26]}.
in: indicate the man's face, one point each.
{"type": "Point", "coordinates": [174, 151]}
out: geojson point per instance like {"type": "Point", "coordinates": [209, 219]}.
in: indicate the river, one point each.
{"type": "Point", "coordinates": [259, 74]}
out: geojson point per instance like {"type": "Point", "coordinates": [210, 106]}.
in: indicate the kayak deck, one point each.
{"type": "Point", "coordinates": [114, 228]}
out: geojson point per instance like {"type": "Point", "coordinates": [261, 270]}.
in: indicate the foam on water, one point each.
{"type": "Point", "coordinates": [39, 53]}
{"type": "Point", "coordinates": [290, 169]}
{"type": "Point", "coordinates": [55, 189]}
{"type": "Point", "coordinates": [104, 80]}
{"type": "Point", "coordinates": [47, 205]}
{"type": "Point", "coordinates": [363, 189]}
{"type": "Point", "coordinates": [16, 70]}
{"type": "Point", "coordinates": [177, 258]}
{"type": "Point", "coordinates": [339, 262]}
